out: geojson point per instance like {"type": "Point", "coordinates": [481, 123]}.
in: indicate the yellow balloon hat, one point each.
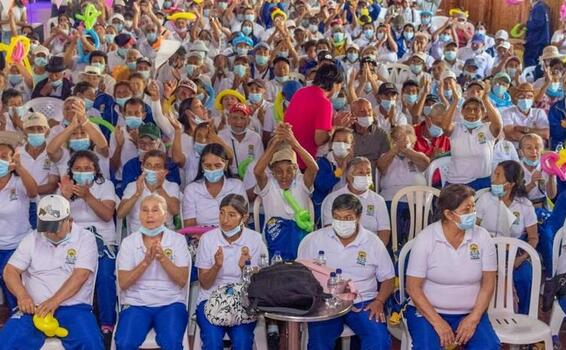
{"type": "Point", "coordinates": [189, 16]}
{"type": "Point", "coordinates": [278, 12]}
{"type": "Point", "coordinates": [49, 326]}
{"type": "Point", "coordinates": [227, 92]}
{"type": "Point", "coordinates": [454, 12]}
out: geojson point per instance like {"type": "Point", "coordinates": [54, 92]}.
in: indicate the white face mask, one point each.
{"type": "Point", "coordinates": [340, 149]}
{"type": "Point", "coordinates": [344, 229]}
{"type": "Point", "coordinates": [365, 122]}
{"type": "Point", "coordinates": [361, 183]}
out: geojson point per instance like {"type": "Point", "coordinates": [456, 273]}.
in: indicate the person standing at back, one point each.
{"type": "Point", "coordinates": [310, 110]}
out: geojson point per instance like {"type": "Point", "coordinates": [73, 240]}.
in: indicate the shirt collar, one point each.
{"type": "Point", "coordinates": [440, 237]}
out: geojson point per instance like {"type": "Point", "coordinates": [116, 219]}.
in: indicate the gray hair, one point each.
{"type": "Point", "coordinates": [355, 161]}
{"type": "Point", "coordinates": [155, 197]}
{"type": "Point", "coordinates": [347, 201]}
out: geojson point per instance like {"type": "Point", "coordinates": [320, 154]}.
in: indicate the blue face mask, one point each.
{"type": "Point", "coordinates": [427, 110]}
{"type": "Point", "coordinates": [448, 94]}
{"type": "Point", "coordinates": [408, 35]}
{"type": "Point", "coordinates": [151, 232]}
{"type": "Point", "coordinates": [57, 83]}
{"type": "Point", "coordinates": [200, 97]}
{"type": "Point", "coordinates": [133, 122]}
{"type": "Point", "coordinates": [150, 176]}
{"type": "Point", "coordinates": [435, 131]}
{"type": "Point", "coordinates": [122, 52]}
{"type": "Point", "coordinates": [190, 69]}
{"type": "Point", "coordinates": [525, 104]}
{"type": "Point", "coordinates": [426, 20]}
{"type": "Point", "coordinates": [15, 79]}
{"type": "Point", "coordinates": [247, 30]}
{"type": "Point", "coordinates": [240, 70]}
{"type": "Point", "coordinates": [416, 68]}
{"type": "Point", "coordinates": [88, 103]}
{"type": "Point", "coordinates": [242, 51]}
{"type": "Point", "coordinates": [232, 232]}
{"type": "Point", "coordinates": [445, 37]}
{"type": "Point", "coordinates": [498, 190]}
{"type": "Point", "coordinates": [553, 87]}
{"type": "Point", "coordinates": [467, 221]}
{"type": "Point", "coordinates": [511, 72]}
{"type": "Point", "coordinates": [411, 99]}
{"type": "Point", "coordinates": [132, 65]}
{"type": "Point", "coordinates": [36, 140]}
{"type": "Point", "coordinates": [39, 77]}
{"type": "Point", "coordinates": [145, 74]}
{"type": "Point", "coordinates": [4, 168]}
{"type": "Point", "coordinates": [121, 101]}
{"type": "Point", "coordinates": [499, 90]}
{"type": "Point", "coordinates": [83, 177]}
{"type": "Point", "coordinates": [255, 98]}
{"type": "Point", "coordinates": [352, 57]}
{"type": "Point", "coordinates": [450, 55]}
{"type": "Point", "coordinates": [338, 37]}
{"type": "Point", "coordinates": [472, 125]}
{"type": "Point", "coordinates": [79, 144]}
{"type": "Point", "coordinates": [249, 17]}
{"type": "Point", "coordinates": [284, 54]}
{"type": "Point", "coordinates": [109, 38]}
{"type": "Point", "coordinates": [213, 176]}
{"type": "Point", "coordinates": [18, 111]}
{"type": "Point", "coordinates": [282, 79]}
{"type": "Point", "coordinates": [386, 105]}
{"type": "Point", "coordinates": [261, 60]}
{"type": "Point", "coordinates": [368, 33]}
{"type": "Point", "coordinates": [40, 61]}
{"type": "Point", "coordinates": [380, 36]}
{"type": "Point", "coordinates": [528, 162]}
{"type": "Point", "coordinates": [338, 103]}
{"type": "Point", "coordinates": [151, 37]}
{"type": "Point", "coordinates": [199, 147]}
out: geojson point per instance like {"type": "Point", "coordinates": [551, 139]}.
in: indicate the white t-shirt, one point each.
{"type": "Point", "coordinates": [400, 173]}
{"type": "Point", "coordinates": [500, 220]}
{"type": "Point", "coordinates": [47, 267]}
{"type": "Point", "coordinates": [503, 150]}
{"type": "Point", "coordinates": [14, 213]}
{"type": "Point", "coordinates": [536, 192]}
{"type": "Point", "coordinates": [133, 218]}
{"type": "Point", "coordinates": [63, 164]}
{"type": "Point", "coordinates": [365, 260]}
{"type": "Point", "coordinates": [154, 288]}
{"type": "Point", "coordinates": [230, 271]}
{"type": "Point", "coordinates": [39, 168]}
{"type": "Point", "coordinates": [472, 154]}
{"type": "Point", "coordinates": [452, 277]}
{"type": "Point", "coordinates": [375, 216]}
{"type": "Point", "coordinates": [536, 118]}
{"type": "Point", "coordinates": [251, 145]}
{"type": "Point", "coordinates": [199, 204]}
{"type": "Point", "coordinates": [129, 151]}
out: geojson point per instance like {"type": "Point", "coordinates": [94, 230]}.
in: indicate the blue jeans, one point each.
{"type": "Point", "coordinates": [33, 215]}
{"type": "Point", "coordinates": [9, 298]}
{"type": "Point", "coordinates": [424, 336]}
{"type": "Point", "coordinates": [241, 336]}
{"type": "Point", "coordinates": [19, 333]}
{"type": "Point", "coordinates": [169, 323]}
{"type": "Point", "coordinates": [522, 281]}
{"type": "Point", "coordinates": [373, 335]}
{"type": "Point", "coordinates": [106, 290]}
{"type": "Point", "coordinates": [478, 184]}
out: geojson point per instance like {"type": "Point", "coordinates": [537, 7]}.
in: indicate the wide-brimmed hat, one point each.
{"type": "Point", "coordinates": [55, 65]}
{"type": "Point", "coordinates": [550, 52]}
{"type": "Point", "coordinates": [227, 92]}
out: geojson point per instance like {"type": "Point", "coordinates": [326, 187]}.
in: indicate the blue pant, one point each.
{"type": "Point", "coordinates": [373, 335]}
{"type": "Point", "coordinates": [424, 336]}
{"type": "Point", "coordinates": [169, 323]}
{"type": "Point", "coordinates": [33, 215]}
{"type": "Point", "coordinates": [478, 184]}
{"type": "Point", "coordinates": [8, 297]}
{"type": "Point", "coordinates": [106, 291]}
{"type": "Point", "coordinates": [19, 333]}
{"type": "Point", "coordinates": [522, 281]}
{"type": "Point", "coordinates": [241, 336]}
{"type": "Point", "coordinates": [403, 216]}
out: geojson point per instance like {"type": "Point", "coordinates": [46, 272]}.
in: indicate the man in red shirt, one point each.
{"type": "Point", "coordinates": [310, 110]}
{"type": "Point", "coordinates": [430, 137]}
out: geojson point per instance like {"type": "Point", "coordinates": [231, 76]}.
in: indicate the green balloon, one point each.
{"type": "Point", "coordinates": [102, 122]}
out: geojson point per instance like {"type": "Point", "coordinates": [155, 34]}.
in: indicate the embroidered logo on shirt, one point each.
{"type": "Point", "coordinates": [362, 258]}
{"type": "Point", "coordinates": [13, 194]}
{"type": "Point", "coordinates": [517, 217]}
{"type": "Point", "coordinates": [168, 253]}
{"type": "Point", "coordinates": [481, 138]}
{"type": "Point", "coordinates": [71, 256]}
{"type": "Point", "coordinates": [46, 164]}
{"type": "Point", "coordinates": [250, 150]}
{"type": "Point", "coordinates": [370, 210]}
{"type": "Point", "coordinates": [474, 251]}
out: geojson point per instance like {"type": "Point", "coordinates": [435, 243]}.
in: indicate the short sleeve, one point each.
{"type": "Point", "coordinates": [126, 257]}
{"type": "Point", "coordinates": [21, 259]}
{"type": "Point", "coordinates": [542, 119]}
{"type": "Point", "coordinates": [488, 255]}
{"type": "Point", "coordinates": [530, 214]}
{"type": "Point", "coordinates": [323, 119]}
{"type": "Point", "coordinates": [189, 203]}
{"type": "Point", "coordinates": [481, 208]}
{"type": "Point", "coordinates": [304, 251]}
{"type": "Point", "coordinates": [326, 210]}
{"type": "Point", "coordinates": [385, 269]}
{"type": "Point", "coordinates": [382, 215]}
{"type": "Point", "coordinates": [506, 117]}
{"type": "Point", "coordinates": [205, 253]}
{"type": "Point", "coordinates": [129, 191]}
{"type": "Point", "coordinates": [107, 192]}
{"type": "Point", "coordinates": [88, 255]}
{"type": "Point", "coordinates": [182, 255]}
{"type": "Point", "coordinates": [418, 259]}
{"type": "Point", "coordinates": [172, 189]}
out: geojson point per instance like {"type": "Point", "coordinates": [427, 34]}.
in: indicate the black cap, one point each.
{"type": "Point", "coordinates": [368, 59]}
{"type": "Point", "coordinates": [387, 88]}
{"type": "Point", "coordinates": [432, 98]}
{"type": "Point", "coordinates": [56, 64]}
{"type": "Point", "coordinates": [325, 55]}
{"type": "Point", "coordinates": [122, 39]}
{"type": "Point", "coordinates": [281, 59]}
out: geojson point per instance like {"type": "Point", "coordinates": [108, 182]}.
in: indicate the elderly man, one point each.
{"type": "Point", "coordinates": [52, 273]}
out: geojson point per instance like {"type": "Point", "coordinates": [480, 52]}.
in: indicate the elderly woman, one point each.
{"type": "Point", "coordinates": [451, 278]}
{"type": "Point", "coordinates": [221, 256]}
{"type": "Point", "coordinates": [375, 216]}
{"type": "Point", "coordinates": [153, 267]}
{"type": "Point", "coordinates": [364, 260]}
{"type": "Point", "coordinates": [507, 211]}
{"type": "Point", "coordinates": [471, 139]}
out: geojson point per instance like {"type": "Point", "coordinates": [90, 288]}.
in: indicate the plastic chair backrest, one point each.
{"type": "Point", "coordinates": [437, 21]}
{"type": "Point", "coordinates": [419, 201]}
{"type": "Point", "coordinates": [440, 164]}
{"type": "Point", "coordinates": [502, 299]}
{"type": "Point", "coordinates": [396, 71]}
{"type": "Point", "coordinates": [257, 205]}
{"type": "Point", "coordinates": [528, 74]}
{"type": "Point", "coordinates": [402, 257]}
{"type": "Point", "coordinates": [557, 248]}
{"type": "Point", "coordinates": [51, 107]}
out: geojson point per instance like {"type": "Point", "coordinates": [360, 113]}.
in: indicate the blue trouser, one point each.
{"type": "Point", "coordinates": [19, 333]}
{"type": "Point", "coordinates": [241, 336]}
{"type": "Point", "coordinates": [169, 323]}
{"type": "Point", "coordinates": [106, 291]}
{"type": "Point", "coordinates": [522, 281]}
{"type": "Point", "coordinates": [33, 215]}
{"type": "Point", "coordinates": [562, 302]}
{"type": "Point", "coordinates": [373, 335]}
{"type": "Point", "coordinates": [424, 336]}
{"type": "Point", "coordinates": [9, 298]}
{"type": "Point", "coordinates": [545, 241]}
{"type": "Point", "coordinates": [403, 216]}
{"type": "Point", "coordinates": [478, 184]}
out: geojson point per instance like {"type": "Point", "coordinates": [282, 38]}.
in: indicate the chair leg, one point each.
{"type": "Point", "coordinates": [197, 344]}
{"type": "Point", "coordinates": [556, 318]}
{"type": "Point", "coordinates": [304, 336]}
{"type": "Point", "coordinates": [346, 343]}
{"type": "Point", "coordinates": [548, 345]}
{"type": "Point", "coordinates": [260, 334]}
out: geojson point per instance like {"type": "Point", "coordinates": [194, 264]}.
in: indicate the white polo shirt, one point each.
{"type": "Point", "coordinates": [47, 267]}
{"type": "Point", "coordinates": [536, 192]}
{"type": "Point", "coordinates": [14, 213]}
{"type": "Point", "coordinates": [400, 173]}
{"type": "Point", "coordinates": [472, 154]}
{"type": "Point", "coordinates": [385, 124]}
{"type": "Point", "coordinates": [199, 204]}
{"type": "Point", "coordinates": [365, 261]}
{"type": "Point", "coordinates": [452, 276]}
{"type": "Point", "coordinates": [275, 205]}
{"type": "Point", "coordinates": [154, 288]}
{"type": "Point", "coordinates": [133, 218]}
{"type": "Point", "coordinates": [375, 216]}
{"type": "Point", "coordinates": [536, 118]}
{"type": "Point", "coordinates": [129, 150]}
{"type": "Point", "coordinates": [63, 163]}
{"type": "Point", "coordinates": [39, 168]}
{"type": "Point", "coordinates": [502, 151]}
{"type": "Point", "coordinates": [251, 145]}
{"type": "Point", "coordinates": [230, 271]}
{"type": "Point", "coordinates": [500, 220]}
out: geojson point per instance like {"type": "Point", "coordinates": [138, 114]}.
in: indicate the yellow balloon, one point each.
{"type": "Point", "coordinates": [17, 53]}
{"type": "Point", "coordinates": [561, 157]}
{"type": "Point", "coordinates": [49, 326]}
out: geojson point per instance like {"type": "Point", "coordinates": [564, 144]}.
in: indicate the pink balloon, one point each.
{"type": "Point", "coordinates": [563, 11]}
{"type": "Point", "coordinates": [513, 2]}
{"type": "Point", "coordinates": [18, 52]}
{"type": "Point", "coordinates": [108, 3]}
{"type": "Point", "coordinates": [548, 164]}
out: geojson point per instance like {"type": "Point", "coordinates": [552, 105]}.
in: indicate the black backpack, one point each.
{"type": "Point", "coordinates": [288, 288]}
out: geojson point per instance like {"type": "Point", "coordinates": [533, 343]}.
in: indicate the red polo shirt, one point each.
{"type": "Point", "coordinates": [427, 146]}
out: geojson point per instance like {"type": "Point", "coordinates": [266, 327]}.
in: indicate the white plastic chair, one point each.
{"type": "Point", "coordinates": [260, 336]}
{"type": "Point", "coordinates": [150, 341]}
{"type": "Point", "coordinates": [257, 208]}
{"type": "Point", "coordinates": [398, 72]}
{"type": "Point", "coordinates": [437, 21]}
{"type": "Point", "coordinates": [528, 75]}
{"type": "Point", "coordinates": [51, 107]}
{"type": "Point", "coordinates": [440, 164]}
{"type": "Point", "coordinates": [419, 200]}
{"type": "Point", "coordinates": [406, 341]}
{"type": "Point", "coordinates": [557, 315]}
{"type": "Point", "coordinates": [512, 328]}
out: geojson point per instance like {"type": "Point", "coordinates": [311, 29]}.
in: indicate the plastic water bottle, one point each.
{"type": "Point", "coordinates": [276, 259]}
{"type": "Point", "coordinates": [332, 286]}
{"type": "Point", "coordinates": [559, 147]}
{"type": "Point", "coordinates": [321, 260]}
{"type": "Point", "coordinates": [247, 272]}
{"type": "Point", "coordinates": [339, 275]}
{"type": "Point", "coordinates": [263, 261]}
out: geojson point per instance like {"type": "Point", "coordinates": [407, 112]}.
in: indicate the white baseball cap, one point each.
{"type": "Point", "coordinates": [502, 34]}
{"type": "Point", "coordinates": [51, 210]}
